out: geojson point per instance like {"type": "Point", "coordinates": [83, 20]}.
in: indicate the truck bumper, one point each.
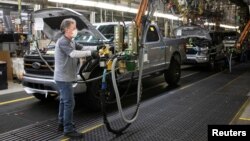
{"type": "Point", "coordinates": [47, 86]}
{"type": "Point", "coordinates": [197, 59]}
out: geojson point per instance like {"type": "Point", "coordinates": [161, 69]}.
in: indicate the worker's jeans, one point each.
{"type": "Point", "coordinates": [66, 106]}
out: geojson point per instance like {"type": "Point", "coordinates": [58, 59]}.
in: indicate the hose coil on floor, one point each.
{"type": "Point", "coordinates": [103, 103]}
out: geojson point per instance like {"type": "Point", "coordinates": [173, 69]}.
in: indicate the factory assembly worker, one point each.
{"type": "Point", "coordinates": [67, 53]}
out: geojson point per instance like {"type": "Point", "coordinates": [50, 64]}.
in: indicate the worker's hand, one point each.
{"type": "Point", "coordinates": [95, 54]}
{"type": "Point", "coordinates": [112, 49]}
{"type": "Point", "coordinates": [101, 47]}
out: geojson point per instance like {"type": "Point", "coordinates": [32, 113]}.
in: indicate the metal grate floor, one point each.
{"type": "Point", "coordinates": [179, 115]}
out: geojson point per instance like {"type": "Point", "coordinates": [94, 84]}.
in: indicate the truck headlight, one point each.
{"type": "Point", "coordinates": [204, 50]}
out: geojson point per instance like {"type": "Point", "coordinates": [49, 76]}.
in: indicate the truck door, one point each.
{"type": "Point", "coordinates": [154, 49]}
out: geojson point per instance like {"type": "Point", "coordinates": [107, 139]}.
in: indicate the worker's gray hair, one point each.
{"type": "Point", "coordinates": [66, 23]}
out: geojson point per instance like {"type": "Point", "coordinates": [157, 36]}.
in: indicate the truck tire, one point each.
{"type": "Point", "coordinates": [173, 74]}
{"type": "Point", "coordinates": [211, 64]}
{"type": "Point", "coordinates": [43, 98]}
{"type": "Point", "coordinates": [92, 97]}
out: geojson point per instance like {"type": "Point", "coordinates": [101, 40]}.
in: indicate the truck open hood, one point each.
{"type": "Point", "coordinates": [49, 21]}
{"type": "Point", "coordinates": [192, 31]}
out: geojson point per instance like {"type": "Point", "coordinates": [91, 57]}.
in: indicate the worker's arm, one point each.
{"type": "Point", "coordinates": [79, 54]}
{"type": "Point", "coordinates": [70, 51]}
{"type": "Point", "coordinates": [81, 47]}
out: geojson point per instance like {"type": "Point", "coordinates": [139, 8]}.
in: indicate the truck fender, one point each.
{"type": "Point", "coordinates": [91, 66]}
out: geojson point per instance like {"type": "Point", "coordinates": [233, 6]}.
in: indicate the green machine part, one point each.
{"type": "Point", "coordinates": [131, 52]}
{"type": "Point", "coordinates": [131, 60]}
{"type": "Point", "coordinates": [131, 65]}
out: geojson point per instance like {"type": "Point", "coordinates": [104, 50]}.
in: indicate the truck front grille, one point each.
{"type": "Point", "coordinates": [34, 65]}
{"type": "Point", "coordinates": [191, 51]}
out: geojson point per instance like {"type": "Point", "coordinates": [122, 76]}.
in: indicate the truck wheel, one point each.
{"type": "Point", "coordinates": [43, 98]}
{"type": "Point", "coordinates": [92, 98]}
{"type": "Point", "coordinates": [173, 74]}
{"type": "Point", "coordinates": [211, 64]}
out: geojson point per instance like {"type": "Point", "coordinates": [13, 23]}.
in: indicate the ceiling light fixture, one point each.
{"type": "Point", "coordinates": [110, 6]}
{"type": "Point", "coordinates": [222, 25]}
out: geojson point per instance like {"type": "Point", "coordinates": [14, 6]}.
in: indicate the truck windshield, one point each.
{"type": "Point", "coordinates": [86, 38]}
{"type": "Point", "coordinates": [107, 31]}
